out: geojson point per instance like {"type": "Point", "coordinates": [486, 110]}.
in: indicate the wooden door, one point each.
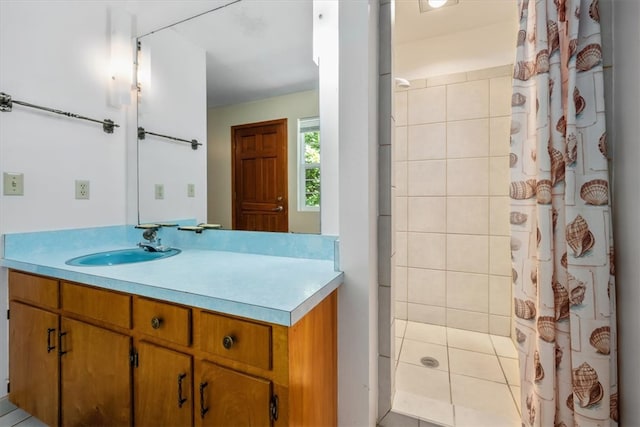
{"type": "Point", "coordinates": [259, 182]}
{"type": "Point", "coordinates": [162, 387]}
{"type": "Point", "coordinates": [95, 376]}
{"type": "Point", "coordinates": [33, 361]}
{"type": "Point", "coordinates": [230, 398]}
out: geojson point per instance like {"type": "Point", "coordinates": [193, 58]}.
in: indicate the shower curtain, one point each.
{"type": "Point", "coordinates": [561, 241]}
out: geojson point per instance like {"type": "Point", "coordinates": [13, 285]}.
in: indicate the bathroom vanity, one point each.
{"type": "Point", "coordinates": [81, 355]}
{"type": "Point", "coordinates": [101, 346]}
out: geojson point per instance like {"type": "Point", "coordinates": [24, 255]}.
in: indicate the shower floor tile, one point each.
{"type": "Point", "coordinates": [401, 325]}
{"type": "Point", "coordinates": [474, 364]}
{"type": "Point", "coordinates": [489, 396]}
{"type": "Point", "coordinates": [469, 417]}
{"type": "Point", "coordinates": [511, 370]}
{"type": "Point", "coordinates": [413, 351]}
{"type": "Point", "coordinates": [426, 333]}
{"type": "Point", "coordinates": [477, 379]}
{"type": "Point", "coordinates": [468, 340]}
{"type": "Point", "coordinates": [504, 346]}
{"type": "Point", "coordinates": [424, 408]}
{"type": "Point", "coordinates": [425, 382]}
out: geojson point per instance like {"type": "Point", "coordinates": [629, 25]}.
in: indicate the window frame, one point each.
{"type": "Point", "coordinates": [306, 125]}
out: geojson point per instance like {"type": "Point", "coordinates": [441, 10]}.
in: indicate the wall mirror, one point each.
{"type": "Point", "coordinates": [206, 78]}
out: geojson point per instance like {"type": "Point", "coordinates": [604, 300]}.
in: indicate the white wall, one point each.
{"type": "Point", "coordinates": [292, 107]}
{"type": "Point", "coordinates": [173, 103]}
{"type": "Point", "coordinates": [325, 49]}
{"type": "Point", "coordinates": [479, 48]}
{"type": "Point", "coordinates": [626, 200]}
{"type": "Point", "coordinates": [358, 297]}
{"type": "Point", "coordinates": [44, 61]}
{"type": "Point", "coordinates": [55, 54]}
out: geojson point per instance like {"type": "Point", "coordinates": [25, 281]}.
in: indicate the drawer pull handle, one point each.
{"type": "Point", "coordinates": [228, 341]}
{"type": "Point", "coordinates": [49, 346]}
{"type": "Point", "coordinates": [203, 410]}
{"type": "Point", "coordinates": [156, 322]}
{"type": "Point", "coordinates": [181, 399]}
{"type": "Point", "coordinates": [273, 408]}
{"type": "Point", "coordinates": [60, 351]}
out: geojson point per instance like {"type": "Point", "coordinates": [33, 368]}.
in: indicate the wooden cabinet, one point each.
{"type": "Point", "coordinates": [95, 375]}
{"type": "Point", "coordinates": [66, 371]}
{"type": "Point", "coordinates": [85, 356]}
{"type": "Point", "coordinates": [235, 339]}
{"type": "Point", "coordinates": [167, 322]}
{"type": "Point", "coordinates": [163, 384]}
{"type": "Point", "coordinates": [33, 361]}
{"type": "Point", "coordinates": [95, 367]}
{"type": "Point", "coordinates": [231, 398]}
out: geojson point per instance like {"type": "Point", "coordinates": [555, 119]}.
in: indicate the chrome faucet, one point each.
{"type": "Point", "coordinates": [151, 245]}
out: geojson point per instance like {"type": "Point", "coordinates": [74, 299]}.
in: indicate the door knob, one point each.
{"type": "Point", "coordinates": [156, 322]}
{"type": "Point", "coordinates": [277, 209]}
{"type": "Point", "coordinates": [228, 341]}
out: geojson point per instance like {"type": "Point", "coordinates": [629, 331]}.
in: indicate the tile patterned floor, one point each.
{"type": "Point", "coordinates": [476, 383]}
{"type": "Point", "coordinates": [10, 416]}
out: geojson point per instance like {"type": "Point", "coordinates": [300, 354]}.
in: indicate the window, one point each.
{"type": "Point", "coordinates": [309, 164]}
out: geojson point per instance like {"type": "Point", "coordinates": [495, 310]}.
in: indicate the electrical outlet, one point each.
{"type": "Point", "coordinates": [82, 189]}
{"type": "Point", "coordinates": [191, 190]}
{"type": "Point", "coordinates": [13, 184]}
{"type": "Point", "coordinates": [159, 191]}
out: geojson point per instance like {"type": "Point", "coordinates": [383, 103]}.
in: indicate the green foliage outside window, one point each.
{"type": "Point", "coordinates": [312, 168]}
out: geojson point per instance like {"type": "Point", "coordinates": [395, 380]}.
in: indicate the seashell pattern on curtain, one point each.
{"type": "Point", "coordinates": [563, 270]}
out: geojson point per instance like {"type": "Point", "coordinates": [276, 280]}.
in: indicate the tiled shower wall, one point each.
{"type": "Point", "coordinates": [451, 201]}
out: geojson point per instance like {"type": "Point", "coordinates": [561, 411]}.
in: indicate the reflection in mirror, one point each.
{"type": "Point", "coordinates": [218, 74]}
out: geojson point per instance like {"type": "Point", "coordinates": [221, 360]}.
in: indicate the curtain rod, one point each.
{"type": "Point", "coordinates": [142, 132]}
{"type": "Point", "coordinates": [6, 105]}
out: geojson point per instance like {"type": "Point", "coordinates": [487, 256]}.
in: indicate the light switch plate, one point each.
{"type": "Point", "coordinates": [191, 190]}
{"type": "Point", "coordinates": [13, 184]}
{"type": "Point", "coordinates": [159, 191]}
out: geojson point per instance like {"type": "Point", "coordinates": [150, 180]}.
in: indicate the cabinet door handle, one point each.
{"type": "Point", "coordinates": [203, 410]}
{"type": "Point", "coordinates": [49, 346]}
{"type": "Point", "coordinates": [228, 341]}
{"type": "Point", "coordinates": [156, 322]}
{"type": "Point", "coordinates": [60, 351]}
{"type": "Point", "coordinates": [181, 399]}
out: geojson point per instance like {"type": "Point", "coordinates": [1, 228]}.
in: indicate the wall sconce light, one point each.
{"type": "Point", "coordinates": [429, 5]}
{"type": "Point", "coordinates": [143, 71]}
{"type": "Point", "coordinates": [121, 61]}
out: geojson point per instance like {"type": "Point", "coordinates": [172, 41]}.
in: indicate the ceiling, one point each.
{"type": "Point", "coordinates": [263, 48]}
{"type": "Point", "coordinates": [255, 48]}
{"type": "Point", "coordinates": [411, 25]}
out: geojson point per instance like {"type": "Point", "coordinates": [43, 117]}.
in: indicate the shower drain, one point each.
{"type": "Point", "coordinates": [430, 362]}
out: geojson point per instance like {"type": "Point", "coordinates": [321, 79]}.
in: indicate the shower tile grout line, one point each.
{"type": "Point", "coordinates": [495, 354]}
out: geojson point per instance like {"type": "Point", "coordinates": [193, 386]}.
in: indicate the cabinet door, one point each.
{"type": "Point", "coordinates": [33, 361]}
{"type": "Point", "coordinates": [163, 385]}
{"type": "Point", "coordinates": [95, 375]}
{"type": "Point", "coordinates": [230, 398]}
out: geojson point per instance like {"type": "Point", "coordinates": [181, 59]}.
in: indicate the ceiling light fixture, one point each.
{"type": "Point", "coordinates": [429, 5]}
{"type": "Point", "coordinates": [436, 3]}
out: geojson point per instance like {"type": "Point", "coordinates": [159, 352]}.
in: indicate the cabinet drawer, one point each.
{"type": "Point", "coordinates": [98, 304]}
{"type": "Point", "coordinates": [236, 339]}
{"type": "Point", "coordinates": [162, 320]}
{"type": "Point", "coordinates": [35, 289]}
